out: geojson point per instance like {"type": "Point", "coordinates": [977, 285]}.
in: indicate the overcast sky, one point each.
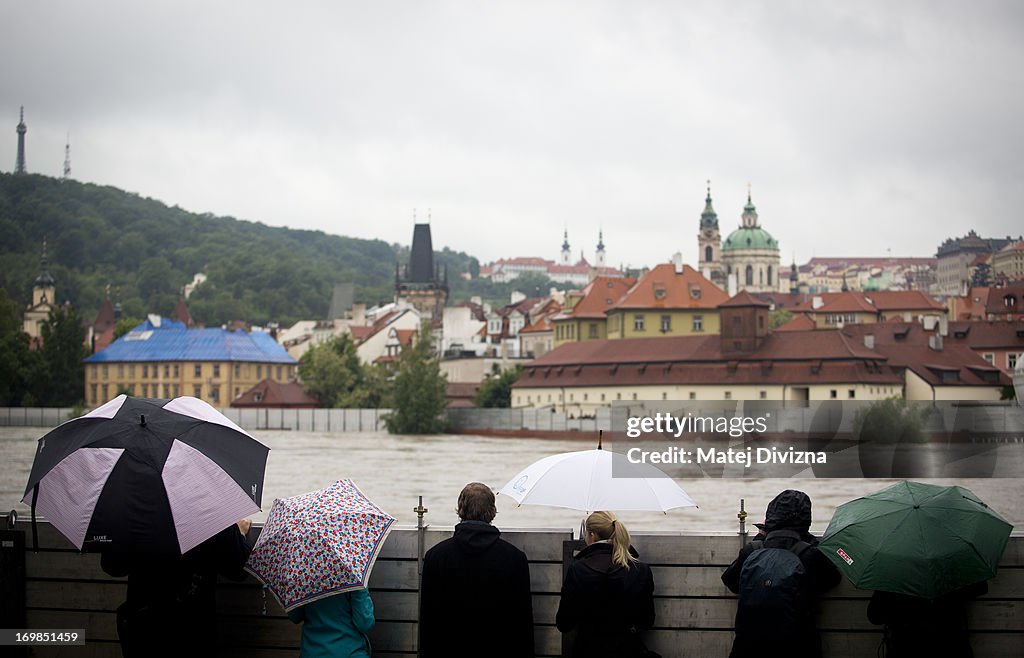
{"type": "Point", "coordinates": [862, 127]}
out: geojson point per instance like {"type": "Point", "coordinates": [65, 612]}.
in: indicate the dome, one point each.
{"type": "Point", "coordinates": [750, 238]}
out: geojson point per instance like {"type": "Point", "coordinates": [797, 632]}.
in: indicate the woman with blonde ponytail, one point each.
{"type": "Point", "coordinates": [608, 593]}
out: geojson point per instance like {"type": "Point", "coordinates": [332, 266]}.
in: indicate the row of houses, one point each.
{"type": "Point", "coordinates": [747, 361]}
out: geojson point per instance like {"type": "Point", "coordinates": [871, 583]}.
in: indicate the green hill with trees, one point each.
{"type": "Point", "coordinates": [147, 251]}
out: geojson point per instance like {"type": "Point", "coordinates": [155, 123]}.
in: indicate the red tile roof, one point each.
{"type": "Point", "coordinates": [743, 299]}
{"type": "Point", "coordinates": [276, 395]}
{"type": "Point", "coordinates": [600, 295]}
{"type": "Point", "coordinates": [985, 334]}
{"type": "Point", "coordinates": [663, 288]}
{"type": "Point", "coordinates": [799, 322]}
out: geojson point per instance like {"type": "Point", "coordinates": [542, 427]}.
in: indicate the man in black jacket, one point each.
{"type": "Point", "coordinates": [786, 525]}
{"type": "Point", "coordinates": [475, 592]}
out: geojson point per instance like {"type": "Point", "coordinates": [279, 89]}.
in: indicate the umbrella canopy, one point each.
{"type": "Point", "coordinates": [146, 475]}
{"type": "Point", "coordinates": [914, 538]}
{"type": "Point", "coordinates": [319, 544]}
{"type": "Point", "coordinates": [584, 481]}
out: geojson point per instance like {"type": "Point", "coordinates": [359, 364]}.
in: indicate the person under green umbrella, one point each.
{"type": "Point", "coordinates": [918, 539]}
{"type": "Point", "coordinates": [927, 551]}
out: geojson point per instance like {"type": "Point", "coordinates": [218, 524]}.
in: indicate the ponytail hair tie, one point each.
{"type": "Point", "coordinates": [613, 525]}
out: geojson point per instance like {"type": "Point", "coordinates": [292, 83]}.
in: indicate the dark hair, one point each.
{"type": "Point", "coordinates": [476, 503]}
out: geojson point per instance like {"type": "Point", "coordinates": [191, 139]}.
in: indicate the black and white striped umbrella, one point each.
{"type": "Point", "coordinates": [146, 475]}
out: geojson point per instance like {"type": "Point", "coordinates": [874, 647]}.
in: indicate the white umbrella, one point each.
{"type": "Point", "coordinates": [584, 481]}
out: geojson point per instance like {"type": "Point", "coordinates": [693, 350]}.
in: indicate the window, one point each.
{"type": "Point", "coordinates": [764, 395]}
{"type": "Point", "coordinates": [167, 390]}
{"type": "Point", "coordinates": [120, 371]}
{"type": "Point", "coordinates": [131, 371]}
{"type": "Point", "coordinates": [602, 397]}
{"type": "Point", "coordinates": [634, 396]}
{"type": "Point", "coordinates": [177, 390]}
{"type": "Point", "coordinates": [106, 371]}
{"type": "Point", "coordinates": [198, 371]}
{"type": "Point", "coordinates": [698, 323]}
{"type": "Point", "coordinates": [989, 357]}
{"type": "Point", "coordinates": [197, 391]}
{"type": "Point", "coordinates": [593, 330]}
{"type": "Point", "coordinates": [216, 371]}
{"type": "Point", "coordinates": [238, 370]}
{"type": "Point", "coordinates": [259, 372]}
{"type": "Point", "coordinates": [708, 254]}
{"type": "Point", "coordinates": [145, 370]}
{"type": "Point", "coordinates": [167, 370]}
{"type": "Point", "coordinates": [750, 275]}
{"type": "Point", "coordinates": [769, 275]}
{"type": "Point", "coordinates": [851, 394]}
{"type": "Point", "coordinates": [618, 396]}
{"type": "Point", "coordinates": [215, 393]}
{"type": "Point", "coordinates": [638, 323]}
{"type": "Point", "coordinates": [584, 397]}
{"type": "Point", "coordinates": [177, 371]}
{"type": "Point", "coordinates": [728, 395]}
{"type": "Point", "coordinates": [693, 395]}
{"type": "Point", "coordinates": [664, 396]}
{"type": "Point", "coordinates": [833, 394]}
{"type": "Point", "coordinates": [278, 373]}
{"type": "Point", "coordinates": [92, 393]}
{"type": "Point", "coordinates": [1011, 360]}
{"type": "Point", "coordinates": [666, 323]}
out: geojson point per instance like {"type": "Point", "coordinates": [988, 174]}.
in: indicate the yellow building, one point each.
{"type": "Point", "coordinates": [671, 300]}
{"type": "Point", "coordinates": [586, 319]}
{"type": "Point", "coordinates": [160, 358]}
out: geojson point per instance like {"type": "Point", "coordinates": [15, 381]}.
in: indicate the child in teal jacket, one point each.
{"type": "Point", "coordinates": [336, 627]}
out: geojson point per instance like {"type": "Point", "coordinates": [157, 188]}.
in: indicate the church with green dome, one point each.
{"type": "Point", "coordinates": [748, 257]}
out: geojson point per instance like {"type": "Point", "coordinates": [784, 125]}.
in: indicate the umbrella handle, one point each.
{"type": "Point", "coordinates": [35, 530]}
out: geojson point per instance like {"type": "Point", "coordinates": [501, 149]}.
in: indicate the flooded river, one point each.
{"type": "Point", "coordinates": [395, 470]}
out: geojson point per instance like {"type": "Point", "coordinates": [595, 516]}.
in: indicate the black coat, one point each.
{"type": "Point", "coordinates": [171, 600]}
{"type": "Point", "coordinates": [790, 510]}
{"type": "Point", "coordinates": [606, 604]}
{"type": "Point", "coordinates": [919, 627]}
{"type": "Point", "coordinates": [475, 597]}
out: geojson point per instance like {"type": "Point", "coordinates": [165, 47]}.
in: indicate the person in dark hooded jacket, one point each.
{"type": "Point", "coordinates": [475, 593]}
{"type": "Point", "coordinates": [608, 593]}
{"type": "Point", "coordinates": [787, 521]}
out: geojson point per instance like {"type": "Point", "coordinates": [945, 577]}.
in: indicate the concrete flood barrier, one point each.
{"type": "Point", "coordinates": [65, 589]}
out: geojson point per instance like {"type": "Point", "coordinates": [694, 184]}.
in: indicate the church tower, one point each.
{"type": "Point", "coordinates": [423, 286]}
{"type": "Point", "coordinates": [709, 242]}
{"type": "Point", "coordinates": [43, 300]}
{"type": "Point", "coordinates": [599, 260]}
{"type": "Point", "coordinates": [566, 253]}
{"type": "Point", "coordinates": [19, 165]}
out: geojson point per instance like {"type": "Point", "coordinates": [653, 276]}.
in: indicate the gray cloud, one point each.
{"type": "Point", "coordinates": [862, 128]}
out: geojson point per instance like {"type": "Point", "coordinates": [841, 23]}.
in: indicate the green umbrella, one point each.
{"type": "Point", "coordinates": [914, 538]}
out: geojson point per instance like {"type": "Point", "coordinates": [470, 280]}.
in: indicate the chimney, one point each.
{"type": "Point", "coordinates": [935, 342]}
{"type": "Point", "coordinates": [516, 297]}
{"type": "Point", "coordinates": [943, 326]}
{"type": "Point", "coordinates": [707, 273]}
{"type": "Point", "coordinates": [869, 341]}
{"type": "Point", "coordinates": [732, 285]}
{"type": "Point", "coordinates": [817, 302]}
{"type": "Point", "coordinates": [677, 261]}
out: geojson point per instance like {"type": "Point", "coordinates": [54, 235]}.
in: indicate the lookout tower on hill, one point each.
{"type": "Point", "coordinates": [19, 164]}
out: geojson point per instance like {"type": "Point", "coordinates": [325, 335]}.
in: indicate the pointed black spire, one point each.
{"type": "Point", "coordinates": [44, 279]}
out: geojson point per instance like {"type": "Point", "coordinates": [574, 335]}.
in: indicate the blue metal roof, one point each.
{"type": "Point", "coordinates": [167, 340]}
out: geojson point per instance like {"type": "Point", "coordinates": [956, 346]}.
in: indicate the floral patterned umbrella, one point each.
{"type": "Point", "coordinates": [319, 544]}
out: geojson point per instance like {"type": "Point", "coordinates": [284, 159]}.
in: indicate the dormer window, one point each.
{"type": "Point", "coordinates": [1009, 301]}
{"type": "Point", "coordinates": [695, 292]}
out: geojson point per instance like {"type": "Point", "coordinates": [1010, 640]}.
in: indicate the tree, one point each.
{"type": "Point", "coordinates": [124, 325]}
{"type": "Point", "coordinates": [59, 379]}
{"type": "Point", "coordinates": [419, 390]}
{"type": "Point", "coordinates": [778, 318]}
{"type": "Point", "coordinates": [15, 357]}
{"type": "Point", "coordinates": [333, 373]}
{"type": "Point", "coordinates": [982, 277]}
{"type": "Point", "coordinates": [496, 390]}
